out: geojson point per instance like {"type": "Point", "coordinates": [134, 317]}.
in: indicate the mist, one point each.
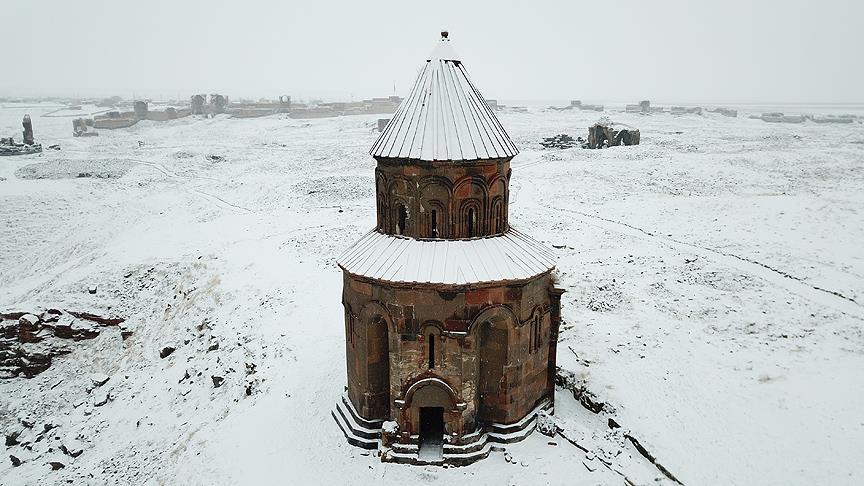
{"type": "Point", "coordinates": [717, 51]}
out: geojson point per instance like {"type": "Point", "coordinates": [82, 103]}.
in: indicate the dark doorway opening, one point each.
{"type": "Point", "coordinates": [431, 433]}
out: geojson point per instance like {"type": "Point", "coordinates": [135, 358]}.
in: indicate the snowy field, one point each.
{"type": "Point", "coordinates": [715, 299]}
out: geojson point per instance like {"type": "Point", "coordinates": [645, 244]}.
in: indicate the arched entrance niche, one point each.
{"type": "Point", "coordinates": [431, 404]}
{"type": "Point", "coordinates": [492, 329]}
{"type": "Point", "coordinates": [376, 322]}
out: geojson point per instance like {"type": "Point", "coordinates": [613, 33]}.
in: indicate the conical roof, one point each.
{"type": "Point", "coordinates": [444, 118]}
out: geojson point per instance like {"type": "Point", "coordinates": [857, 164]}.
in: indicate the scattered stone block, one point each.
{"type": "Point", "coordinates": [101, 399]}
{"type": "Point", "coordinates": [99, 379]}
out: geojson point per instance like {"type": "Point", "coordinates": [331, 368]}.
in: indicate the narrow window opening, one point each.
{"type": "Point", "coordinates": [431, 351]}
{"type": "Point", "coordinates": [403, 219]}
{"type": "Point", "coordinates": [535, 333]}
{"type": "Point", "coordinates": [434, 224]}
{"type": "Point", "coordinates": [471, 223]}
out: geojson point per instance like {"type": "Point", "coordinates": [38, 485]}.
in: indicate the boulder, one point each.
{"type": "Point", "coordinates": [166, 351]}
{"type": "Point", "coordinates": [28, 321]}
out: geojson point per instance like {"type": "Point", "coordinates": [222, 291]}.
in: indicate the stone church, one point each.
{"type": "Point", "coordinates": [451, 314]}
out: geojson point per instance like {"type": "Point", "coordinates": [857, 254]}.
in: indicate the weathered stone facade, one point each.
{"type": "Point", "coordinates": [442, 199]}
{"type": "Point", "coordinates": [493, 352]}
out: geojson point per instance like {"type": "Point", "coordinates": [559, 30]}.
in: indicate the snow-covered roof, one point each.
{"type": "Point", "coordinates": [444, 118]}
{"type": "Point", "coordinates": [508, 257]}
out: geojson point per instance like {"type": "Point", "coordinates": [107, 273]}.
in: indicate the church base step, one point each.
{"type": "Point", "coordinates": [489, 438]}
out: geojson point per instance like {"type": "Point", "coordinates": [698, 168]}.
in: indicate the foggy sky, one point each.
{"type": "Point", "coordinates": [709, 50]}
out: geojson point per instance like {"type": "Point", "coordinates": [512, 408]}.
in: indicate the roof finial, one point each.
{"type": "Point", "coordinates": [444, 34]}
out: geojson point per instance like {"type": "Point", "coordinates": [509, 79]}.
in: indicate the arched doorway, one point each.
{"type": "Point", "coordinates": [429, 402]}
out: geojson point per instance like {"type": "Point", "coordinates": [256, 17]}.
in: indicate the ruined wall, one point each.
{"type": "Point", "coordinates": [492, 348]}
{"type": "Point", "coordinates": [469, 200]}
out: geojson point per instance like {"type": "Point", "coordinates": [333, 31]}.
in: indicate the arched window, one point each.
{"type": "Point", "coordinates": [472, 218]}
{"type": "Point", "coordinates": [431, 351]}
{"type": "Point", "coordinates": [534, 339]}
{"type": "Point", "coordinates": [382, 208]}
{"type": "Point", "coordinates": [349, 327]}
{"type": "Point", "coordinates": [434, 223]}
{"type": "Point", "coordinates": [402, 220]}
{"type": "Point", "coordinates": [498, 216]}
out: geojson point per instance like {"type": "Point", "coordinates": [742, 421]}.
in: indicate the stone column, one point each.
{"type": "Point", "coordinates": [28, 131]}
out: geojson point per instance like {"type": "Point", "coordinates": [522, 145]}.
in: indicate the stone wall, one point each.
{"type": "Point", "coordinates": [442, 199]}
{"type": "Point", "coordinates": [492, 351]}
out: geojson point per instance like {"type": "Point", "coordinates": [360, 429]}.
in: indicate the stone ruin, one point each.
{"type": "Point", "coordinates": [197, 103]}
{"type": "Point", "coordinates": [604, 134]}
{"type": "Point", "coordinates": [561, 142]}
{"type": "Point", "coordinates": [577, 105]}
{"type": "Point", "coordinates": [643, 107]}
{"type": "Point", "coordinates": [9, 147]}
{"type": "Point", "coordinates": [80, 128]}
{"type": "Point", "coordinates": [209, 106]}
{"type": "Point", "coordinates": [725, 112]}
{"type": "Point", "coordinates": [140, 108]}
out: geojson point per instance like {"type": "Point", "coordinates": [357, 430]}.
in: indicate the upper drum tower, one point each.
{"type": "Point", "coordinates": [444, 159]}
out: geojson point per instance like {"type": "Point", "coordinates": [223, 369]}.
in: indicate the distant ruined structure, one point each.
{"type": "Point", "coordinates": [9, 147]}
{"type": "Point", "coordinates": [451, 315]}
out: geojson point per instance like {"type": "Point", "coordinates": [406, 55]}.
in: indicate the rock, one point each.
{"type": "Point", "coordinates": [389, 433]}
{"type": "Point", "coordinates": [508, 457]}
{"type": "Point", "coordinates": [49, 424]}
{"type": "Point", "coordinates": [561, 141]}
{"type": "Point", "coordinates": [55, 465]}
{"type": "Point", "coordinates": [28, 321]}
{"type": "Point", "coordinates": [91, 289]}
{"type": "Point", "coordinates": [15, 461]}
{"type": "Point", "coordinates": [99, 379]}
{"type": "Point", "coordinates": [213, 347]}
{"type": "Point", "coordinates": [72, 447]}
{"type": "Point", "coordinates": [101, 399]}
{"type": "Point", "coordinates": [166, 351]}
{"type": "Point", "coordinates": [12, 438]}
{"type": "Point", "coordinates": [125, 332]}
{"type": "Point", "coordinates": [217, 381]}
{"type": "Point", "coordinates": [589, 464]}
{"type": "Point", "coordinates": [50, 315]}
{"type": "Point", "coordinates": [546, 424]}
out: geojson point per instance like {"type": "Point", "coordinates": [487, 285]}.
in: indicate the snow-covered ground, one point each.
{"type": "Point", "coordinates": [714, 276]}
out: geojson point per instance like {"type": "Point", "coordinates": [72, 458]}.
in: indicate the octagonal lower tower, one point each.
{"type": "Point", "coordinates": [451, 315]}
